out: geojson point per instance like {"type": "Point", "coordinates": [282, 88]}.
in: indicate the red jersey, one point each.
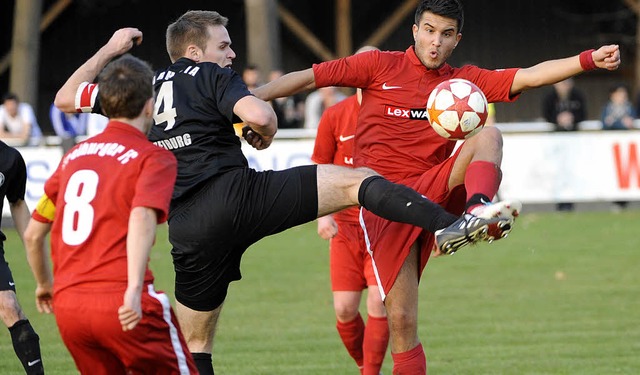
{"type": "Point", "coordinates": [393, 135]}
{"type": "Point", "coordinates": [94, 188]}
{"type": "Point", "coordinates": [334, 143]}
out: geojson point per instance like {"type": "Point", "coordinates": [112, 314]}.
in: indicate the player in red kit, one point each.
{"type": "Point", "coordinates": [394, 138]}
{"type": "Point", "coordinates": [102, 205]}
{"type": "Point", "coordinates": [350, 264]}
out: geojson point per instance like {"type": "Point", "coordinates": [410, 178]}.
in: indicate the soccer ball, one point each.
{"type": "Point", "coordinates": [457, 109]}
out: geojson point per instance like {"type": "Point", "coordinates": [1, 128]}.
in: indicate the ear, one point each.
{"type": "Point", "coordinates": [194, 53]}
{"type": "Point", "coordinates": [414, 30]}
{"type": "Point", "coordinates": [148, 108]}
{"type": "Point", "coordinates": [458, 38]}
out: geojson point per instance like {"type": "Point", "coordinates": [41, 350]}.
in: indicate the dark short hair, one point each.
{"type": "Point", "coordinates": [445, 8]}
{"type": "Point", "coordinates": [191, 28]}
{"type": "Point", "coordinates": [125, 86]}
{"type": "Point", "coordinates": [10, 96]}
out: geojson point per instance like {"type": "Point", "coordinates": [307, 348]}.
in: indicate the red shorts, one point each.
{"type": "Point", "coordinates": [350, 262]}
{"type": "Point", "coordinates": [89, 326]}
{"type": "Point", "coordinates": [390, 242]}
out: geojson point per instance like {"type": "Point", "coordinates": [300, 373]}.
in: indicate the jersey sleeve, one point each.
{"type": "Point", "coordinates": [154, 186]}
{"type": "Point", "coordinates": [87, 100]}
{"type": "Point", "coordinates": [324, 149]}
{"type": "Point", "coordinates": [351, 71]}
{"type": "Point", "coordinates": [45, 210]}
{"type": "Point", "coordinates": [495, 84]}
{"type": "Point", "coordinates": [18, 180]}
{"type": "Point", "coordinates": [229, 88]}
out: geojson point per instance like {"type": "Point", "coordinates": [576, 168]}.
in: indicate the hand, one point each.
{"type": "Point", "coordinates": [44, 298]}
{"type": "Point", "coordinates": [130, 312]}
{"type": "Point", "coordinates": [123, 40]}
{"type": "Point", "coordinates": [255, 140]}
{"type": "Point", "coordinates": [607, 57]}
{"type": "Point", "coordinates": [327, 227]}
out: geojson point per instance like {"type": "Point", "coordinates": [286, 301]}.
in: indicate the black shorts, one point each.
{"type": "Point", "coordinates": [6, 278]}
{"type": "Point", "coordinates": [210, 231]}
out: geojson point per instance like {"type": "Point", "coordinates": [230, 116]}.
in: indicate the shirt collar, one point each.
{"type": "Point", "coordinates": [121, 127]}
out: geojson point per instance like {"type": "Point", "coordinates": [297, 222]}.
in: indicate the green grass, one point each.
{"type": "Point", "coordinates": [560, 296]}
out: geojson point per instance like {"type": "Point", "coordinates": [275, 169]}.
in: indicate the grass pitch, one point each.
{"type": "Point", "coordinates": [559, 296]}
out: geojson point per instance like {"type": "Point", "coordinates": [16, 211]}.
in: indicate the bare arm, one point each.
{"type": "Point", "coordinates": [20, 215]}
{"type": "Point", "coordinates": [142, 233]}
{"type": "Point", "coordinates": [287, 85]}
{"type": "Point", "coordinates": [121, 41]}
{"type": "Point", "coordinates": [261, 123]}
{"type": "Point", "coordinates": [34, 241]}
{"type": "Point", "coordinates": [553, 71]}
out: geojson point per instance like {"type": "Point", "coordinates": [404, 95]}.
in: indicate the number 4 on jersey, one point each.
{"type": "Point", "coordinates": [164, 100]}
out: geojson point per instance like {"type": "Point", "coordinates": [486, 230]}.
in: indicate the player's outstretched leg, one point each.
{"type": "Point", "coordinates": [488, 222]}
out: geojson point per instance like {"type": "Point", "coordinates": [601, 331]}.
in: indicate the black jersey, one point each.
{"type": "Point", "coordinates": [193, 118]}
{"type": "Point", "coordinates": [13, 177]}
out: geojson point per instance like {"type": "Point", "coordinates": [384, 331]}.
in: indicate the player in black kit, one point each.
{"type": "Point", "coordinates": [13, 180]}
{"type": "Point", "coordinates": [220, 206]}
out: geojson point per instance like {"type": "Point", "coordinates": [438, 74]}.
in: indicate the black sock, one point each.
{"type": "Point", "coordinates": [26, 344]}
{"type": "Point", "coordinates": [400, 203]}
{"type": "Point", "coordinates": [203, 363]}
{"type": "Point", "coordinates": [475, 200]}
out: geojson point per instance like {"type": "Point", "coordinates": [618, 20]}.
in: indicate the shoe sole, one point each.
{"type": "Point", "coordinates": [499, 230]}
{"type": "Point", "coordinates": [477, 235]}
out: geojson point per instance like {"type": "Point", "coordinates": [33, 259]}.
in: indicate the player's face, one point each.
{"type": "Point", "coordinates": [435, 38]}
{"type": "Point", "coordinates": [218, 48]}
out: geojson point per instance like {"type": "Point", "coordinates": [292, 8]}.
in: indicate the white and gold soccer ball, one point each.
{"type": "Point", "coordinates": [457, 109]}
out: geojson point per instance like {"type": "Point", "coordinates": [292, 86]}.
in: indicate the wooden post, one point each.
{"type": "Point", "coordinates": [25, 49]}
{"type": "Point", "coordinates": [344, 45]}
{"type": "Point", "coordinates": [263, 35]}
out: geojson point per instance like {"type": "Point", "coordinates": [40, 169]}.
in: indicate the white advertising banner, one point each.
{"type": "Point", "coordinates": [572, 167]}
{"type": "Point", "coordinates": [41, 162]}
{"type": "Point", "coordinates": [587, 166]}
{"type": "Point", "coordinates": [537, 167]}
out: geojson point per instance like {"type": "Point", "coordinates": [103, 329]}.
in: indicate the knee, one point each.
{"type": "Point", "coordinates": [489, 135]}
{"type": "Point", "coordinates": [366, 172]}
{"type": "Point", "coordinates": [375, 306]}
{"type": "Point", "coordinates": [402, 320]}
{"type": "Point", "coordinates": [345, 312]}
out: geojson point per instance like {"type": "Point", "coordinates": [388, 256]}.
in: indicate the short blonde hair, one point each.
{"type": "Point", "coordinates": [191, 28]}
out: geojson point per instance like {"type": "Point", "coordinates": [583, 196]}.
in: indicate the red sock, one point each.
{"type": "Point", "coordinates": [413, 362]}
{"type": "Point", "coordinates": [376, 340]}
{"type": "Point", "coordinates": [482, 177]}
{"type": "Point", "coordinates": [352, 335]}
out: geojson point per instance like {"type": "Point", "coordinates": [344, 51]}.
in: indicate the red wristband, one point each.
{"type": "Point", "coordinates": [586, 60]}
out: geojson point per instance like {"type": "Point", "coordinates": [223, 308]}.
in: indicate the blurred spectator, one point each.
{"type": "Point", "coordinates": [618, 113]}
{"type": "Point", "coordinates": [18, 123]}
{"type": "Point", "coordinates": [95, 124]}
{"type": "Point", "coordinates": [252, 77]}
{"type": "Point", "coordinates": [564, 106]}
{"type": "Point", "coordinates": [68, 126]}
{"type": "Point", "coordinates": [317, 102]}
{"type": "Point", "coordinates": [290, 109]}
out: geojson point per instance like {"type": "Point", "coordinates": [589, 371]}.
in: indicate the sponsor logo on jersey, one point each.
{"type": "Point", "coordinates": [179, 141]}
{"type": "Point", "coordinates": [385, 87]}
{"type": "Point", "coordinates": [344, 139]}
{"type": "Point", "coordinates": [406, 113]}
{"type": "Point", "coordinates": [1, 178]}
